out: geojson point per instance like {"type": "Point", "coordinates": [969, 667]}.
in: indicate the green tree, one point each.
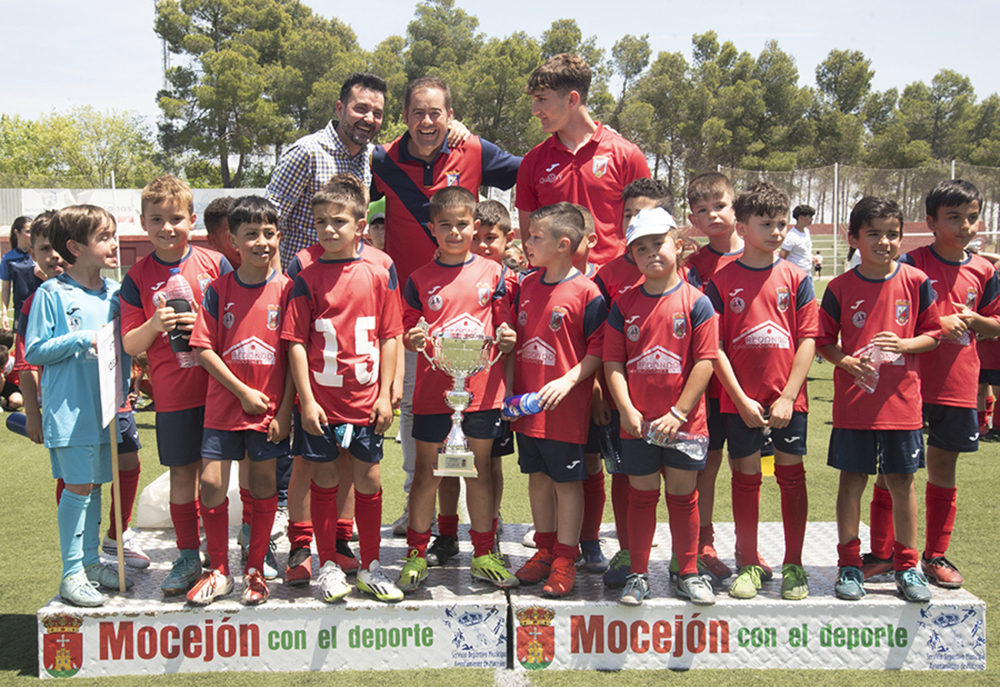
{"type": "Point", "coordinates": [564, 36]}
{"type": "Point", "coordinates": [939, 114]}
{"type": "Point", "coordinates": [845, 80]}
{"type": "Point", "coordinates": [629, 57]}
{"type": "Point", "coordinates": [441, 38]}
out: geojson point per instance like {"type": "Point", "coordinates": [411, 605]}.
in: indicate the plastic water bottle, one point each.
{"type": "Point", "coordinates": [180, 297]}
{"type": "Point", "coordinates": [344, 435]}
{"type": "Point", "coordinates": [523, 404]}
{"type": "Point", "coordinates": [17, 423]}
{"type": "Point", "coordinates": [869, 382]}
{"type": "Point", "coordinates": [694, 445]}
{"type": "Point", "coordinates": [609, 453]}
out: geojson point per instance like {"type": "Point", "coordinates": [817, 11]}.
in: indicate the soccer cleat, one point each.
{"type": "Point", "coordinates": [345, 558]}
{"type": "Point", "coordinates": [77, 590]}
{"type": "Point", "coordinates": [413, 573]}
{"type": "Point", "coordinates": [528, 540]}
{"type": "Point", "coordinates": [941, 572]}
{"type": "Point", "coordinates": [636, 590]}
{"type": "Point", "coordinates": [850, 584]}
{"type": "Point", "coordinates": [747, 582]}
{"type": "Point", "coordinates": [280, 527]}
{"type": "Point", "coordinates": [299, 569]}
{"type": "Point", "coordinates": [255, 589]}
{"type": "Point", "coordinates": [912, 585]}
{"type": "Point", "coordinates": [134, 556]}
{"type": "Point", "coordinates": [332, 583]}
{"type": "Point", "coordinates": [697, 589]}
{"type": "Point", "coordinates": [184, 572]}
{"type": "Point", "coordinates": [212, 585]}
{"type": "Point", "coordinates": [442, 548]}
{"type": "Point", "coordinates": [593, 558]}
{"type": "Point", "coordinates": [618, 569]}
{"type": "Point", "coordinates": [101, 575]}
{"type": "Point", "coordinates": [716, 568]}
{"type": "Point", "coordinates": [561, 578]}
{"type": "Point", "coordinates": [794, 582]}
{"type": "Point", "coordinates": [536, 569]}
{"type": "Point", "coordinates": [374, 581]}
{"type": "Point", "coordinates": [270, 560]}
{"type": "Point", "coordinates": [675, 569]}
{"type": "Point", "coordinates": [766, 573]}
{"type": "Point", "coordinates": [490, 568]}
{"type": "Point", "coordinates": [873, 566]}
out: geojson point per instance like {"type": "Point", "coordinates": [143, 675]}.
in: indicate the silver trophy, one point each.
{"type": "Point", "coordinates": [460, 357]}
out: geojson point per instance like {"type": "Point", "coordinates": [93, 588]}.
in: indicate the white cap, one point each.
{"type": "Point", "coordinates": [649, 222]}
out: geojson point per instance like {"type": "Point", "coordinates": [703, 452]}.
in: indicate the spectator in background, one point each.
{"type": "Point", "coordinates": [17, 271]}
{"type": "Point", "coordinates": [798, 245]}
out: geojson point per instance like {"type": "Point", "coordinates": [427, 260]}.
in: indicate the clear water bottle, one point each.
{"type": "Point", "coordinates": [694, 445]}
{"type": "Point", "coordinates": [344, 435]}
{"type": "Point", "coordinates": [523, 404]}
{"type": "Point", "coordinates": [869, 382]}
{"type": "Point", "coordinates": [180, 297]}
{"type": "Point", "coordinates": [609, 453]}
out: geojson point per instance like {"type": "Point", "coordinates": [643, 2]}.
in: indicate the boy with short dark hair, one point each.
{"type": "Point", "coordinates": [559, 318]}
{"type": "Point", "coordinates": [883, 313]}
{"type": "Point", "coordinates": [797, 247]}
{"type": "Point", "coordinates": [216, 219]}
{"type": "Point", "coordinates": [767, 341]}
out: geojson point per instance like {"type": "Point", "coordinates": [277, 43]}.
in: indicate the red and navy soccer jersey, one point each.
{"type": "Point", "coordinates": [593, 177]}
{"type": "Point", "coordinates": [340, 310]}
{"type": "Point", "coordinates": [659, 338]}
{"type": "Point", "coordinates": [617, 277]}
{"type": "Point", "coordinates": [463, 301]}
{"type": "Point", "coordinates": [857, 309]}
{"type": "Point", "coordinates": [950, 373]}
{"type": "Point", "coordinates": [242, 324]}
{"type": "Point", "coordinates": [988, 350]}
{"type": "Point", "coordinates": [141, 293]}
{"type": "Point", "coordinates": [557, 326]}
{"type": "Point", "coordinates": [313, 253]}
{"type": "Point", "coordinates": [699, 270]}
{"type": "Point", "coordinates": [763, 313]}
{"type": "Point", "coordinates": [20, 364]}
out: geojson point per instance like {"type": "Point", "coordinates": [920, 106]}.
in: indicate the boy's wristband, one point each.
{"type": "Point", "coordinates": [677, 414]}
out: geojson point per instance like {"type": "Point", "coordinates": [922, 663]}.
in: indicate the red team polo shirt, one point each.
{"type": "Point", "coordinates": [857, 309]}
{"type": "Point", "coordinates": [594, 177]}
{"type": "Point", "coordinates": [461, 300]}
{"type": "Point", "coordinates": [659, 338]}
{"type": "Point", "coordinates": [557, 326]}
{"type": "Point", "coordinates": [242, 324]}
{"type": "Point", "coordinates": [340, 310]}
{"type": "Point", "coordinates": [951, 371]}
{"type": "Point", "coordinates": [141, 287]}
{"type": "Point", "coordinates": [763, 313]}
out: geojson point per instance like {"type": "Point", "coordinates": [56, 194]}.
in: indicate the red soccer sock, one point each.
{"type": "Point", "coordinates": [417, 541]}
{"type": "Point", "coordinates": [246, 500]}
{"type": "Point", "coordinates": [940, 505]}
{"type": "Point", "coordinates": [849, 554]}
{"type": "Point", "coordinates": [323, 506]}
{"type": "Point", "coordinates": [545, 541]}
{"type": "Point", "coordinates": [368, 513]}
{"type": "Point", "coordinates": [60, 487]}
{"type": "Point", "coordinates": [345, 527]}
{"type": "Point", "coordinates": [448, 526]}
{"type": "Point", "coordinates": [619, 504]}
{"type": "Point", "coordinates": [129, 486]}
{"type": "Point", "coordinates": [984, 421]}
{"type": "Point", "coordinates": [216, 524]}
{"type": "Point", "coordinates": [185, 519]}
{"type": "Point", "coordinates": [706, 536]}
{"type": "Point", "coordinates": [903, 558]}
{"type": "Point", "coordinates": [300, 535]}
{"type": "Point", "coordinates": [594, 499]}
{"type": "Point", "coordinates": [482, 542]}
{"type": "Point", "coordinates": [642, 522]}
{"type": "Point", "coordinates": [882, 530]}
{"type": "Point", "coordinates": [261, 522]}
{"type": "Point", "coordinates": [746, 514]}
{"type": "Point", "coordinates": [684, 520]}
{"type": "Point", "coordinates": [794, 508]}
{"type": "Point", "coordinates": [565, 551]}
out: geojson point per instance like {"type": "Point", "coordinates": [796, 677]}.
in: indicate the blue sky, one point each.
{"type": "Point", "coordinates": [59, 53]}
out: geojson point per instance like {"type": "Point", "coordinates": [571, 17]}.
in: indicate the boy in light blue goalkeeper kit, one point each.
{"type": "Point", "coordinates": [62, 331]}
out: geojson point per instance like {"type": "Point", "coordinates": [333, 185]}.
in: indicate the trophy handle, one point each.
{"type": "Point", "coordinates": [422, 324]}
{"type": "Point", "coordinates": [494, 342]}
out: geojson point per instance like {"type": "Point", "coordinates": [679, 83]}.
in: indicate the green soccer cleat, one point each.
{"type": "Point", "coordinates": [747, 582]}
{"type": "Point", "coordinates": [413, 573]}
{"type": "Point", "coordinates": [794, 582]}
{"type": "Point", "coordinates": [490, 568]}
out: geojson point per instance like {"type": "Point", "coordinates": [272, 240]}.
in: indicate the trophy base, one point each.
{"type": "Point", "coordinates": [456, 465]}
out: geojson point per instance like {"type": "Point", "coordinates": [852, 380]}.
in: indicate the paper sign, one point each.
{"type": "Point", "coordinates": [110, 374]}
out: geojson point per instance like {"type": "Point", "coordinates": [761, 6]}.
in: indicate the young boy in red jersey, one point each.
{"type": "Point", "coordinates": [710, 199]}
{"type": "Point", "coordinates": [248, 408]}
{"type": "Point", "coordinates": [659, 346]}
{"type": "Point", "coordinates": [767, 332]}
{"type": "Point", "coordinates": [168, 217]}
{"type": "Point", "coordinates": [343, 320]}
{"type": "Point", "coordinates": [969, 303]}
{"type": "Point", "coordinates": [559, 318]}
{"type": "Point", "coordinates": [885, 310]}
{"type": "Point", "coordinates": [989, 385]}
{"type": "Point", "coordinates": [216, 219]}
{"type": "Point", "coordinates": [459, 294]}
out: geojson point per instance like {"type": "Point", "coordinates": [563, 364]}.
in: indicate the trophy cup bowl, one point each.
{"type": "Point", "coordinates": [460, 357]}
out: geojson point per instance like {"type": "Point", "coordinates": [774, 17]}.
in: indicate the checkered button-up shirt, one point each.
{"type": "Point", "coordinates": [302, 170]}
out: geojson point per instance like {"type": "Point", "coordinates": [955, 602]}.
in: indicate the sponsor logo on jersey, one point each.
{"type": "Point", "coordinates": [556, 318]}
{"type": "Point", "coordinates": [273, 317]}
{"type": "Point", "coordinates": [657, 360]}
{"type": "Point", "coordinates": [859, 318]}
{"type": "Point", "coordinates": [483, 290]}
{"type": "Point", "coordinates": [452, 178]}
{"type": "Point", "coordinates": [902, 312]}
{"type": "Point", "coordinates": [857, 304]}
{"type": "Point", "coordinates": [626, 288]}
{"type": "Point", "coordinates": [538, 352]}
{"type": "Point", "coordinates": [632, 332]}
{"type": "Point", "coordinates": [764, 335]}
{"type": "Point", "coordinates": [552, 166]}
{"type": "Point", "coordinates": [680, 325]}
{"type": "Point", "coordinates": [250, 351]}
{"type": "Point", "coordinates": [784, 296]}
{"type": "Point", "coordinates": [737, 305]}
{"type": "Point", "coordinates": [462, 327]}
{"type": "Point", "coordinates": [435, 302]}
{"type": "Point", "coordinates": [157, 286]}
{"type": "Point", "coordinates": [550, 178]}
{"type": "Point", "coordinates": [600, 166]}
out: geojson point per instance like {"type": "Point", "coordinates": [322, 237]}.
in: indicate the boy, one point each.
{"type": "Point", "coordinates": [767, 333]}
{"type": "Point", "coordinates": [459, 294]}
{"type": "Point", "coordinates": [17, 274]}
{"type": "Point", "coordinates": [658, 350]}
{"type": "Point", "coordinates": [797, 247]}
{"type": "Point", "coordinates": [248, 408]}
{"type": "Point", "coordinates": [167, 217]}
{"type": "Point", "coordinates": [342, 354]}
{"type": "Point", "coordinates": [968, 299]}
{"type": "Point", "coordinates": [559, 317]}
{"type": "Point", "coordinates": [216, 219]}
{"type": "Point", "coordinates": [375, 233]}
{"type": "Point", "coordinates": [885, 309]}
{"type": "Point", "coordinates": [710, 199]}
{"type": "Point", "coordinates": [62, 332]}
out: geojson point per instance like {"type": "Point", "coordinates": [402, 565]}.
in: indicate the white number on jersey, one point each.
{"type": "Point", "coordinates": [363, 345]}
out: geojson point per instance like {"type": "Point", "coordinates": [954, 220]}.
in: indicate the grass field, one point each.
{"type": "Point", "coordinates": [29, 568]}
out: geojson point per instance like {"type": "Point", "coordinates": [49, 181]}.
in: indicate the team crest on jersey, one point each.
{"type": "Point", "coordinates": [971, 295]}
{"type": "Point", "coordinates": [73, 320]}
{"type": "Point", "coordinates": [483, 290]}
{"type": "Point", "coordinates": [204, 280]}
{"type": "Point", "coordinates": [657, 360]}
{"type": "Point", "coordinates": [600, 166]}
{"type": "Point", "coordinates": [902, 312]}
{"type": "Point", "coordinates": [228, 320]}
{"type": "Point", "coordinates": [538, 352]}
{"type": "Point", "coordinates": [273, 317]}
{"type": "Point", "coordinates": [522, 318]}
{"type": "Point", "coordinates": [680, 325]}
{"type": "Point", "coordinates": [452, 178]}
{"type": "Point", "coordinates": [435, 302]}
{"type": "Point", "coordinates": [737, 305]}
{"type": "Point", "coordinates": [556, 318]}
{"type": "Point", "coordinates": [632, 332]}
{"type": "Point", "coordinates": [784, 296]}
{"type": "Point", "coordinates": [859, 318]}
